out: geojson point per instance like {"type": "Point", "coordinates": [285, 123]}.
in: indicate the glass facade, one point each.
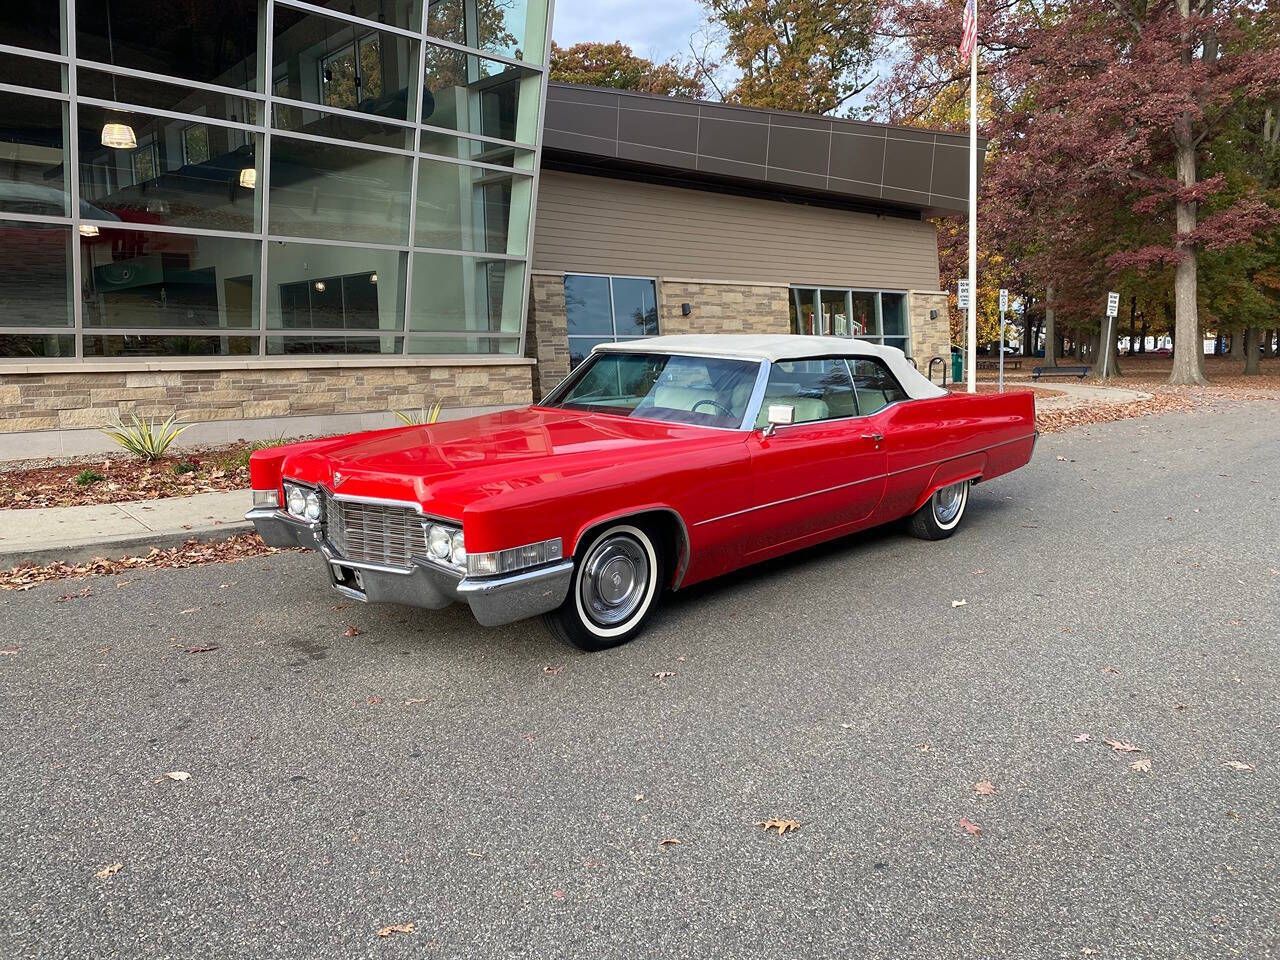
{"type": "Point", "coordinates": [254, 178]}
{"type": "Point", "coordinates": [879, 316]}
{"type": "Point", "coordinates": [606, 309]}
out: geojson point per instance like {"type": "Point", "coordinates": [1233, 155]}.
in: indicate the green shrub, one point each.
{"type": "Point", "coordinates": [86, 477]}
{"type": "Point", "coordinates": [424, 416]}
{"type": "Point", "coordinates": [186, 466]}
{"type": "Point", "coordinates": [143, 438]}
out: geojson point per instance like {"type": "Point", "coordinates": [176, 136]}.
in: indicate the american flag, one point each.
{"type": "Point", "coordinates": [969, 36]}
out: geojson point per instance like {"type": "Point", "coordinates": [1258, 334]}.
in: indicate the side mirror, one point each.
{"type": "Point", "coordinates": [779, 415]}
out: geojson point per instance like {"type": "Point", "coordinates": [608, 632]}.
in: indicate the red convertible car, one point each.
{"type": "Point", "coordinates": [657, 464]}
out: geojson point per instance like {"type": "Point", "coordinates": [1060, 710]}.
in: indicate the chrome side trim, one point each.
{"type": "Point", "coordinates": [934, 463]}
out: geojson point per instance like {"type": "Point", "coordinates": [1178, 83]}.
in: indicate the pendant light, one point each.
{"type": "Point", "coordinates": [249, 178]}
{"type": "Point", "coordinates": [118, 136]}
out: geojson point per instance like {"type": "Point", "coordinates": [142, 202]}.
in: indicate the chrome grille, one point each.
{"type": "Point", "coordinates": [373, 532]}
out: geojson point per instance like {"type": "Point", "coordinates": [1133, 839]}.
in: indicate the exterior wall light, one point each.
{"type": "Point", "coordinates": [686, 309]}
{"type": "Point", "coordinates": [249, 178]}
{"type": "Point", "coordinates": [88, 230]}
{"type": "Point", "coordinates": [119, 136]}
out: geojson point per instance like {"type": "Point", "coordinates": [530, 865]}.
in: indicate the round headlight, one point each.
{"type": "Point", "coordinates": [313, 506]}
{"type": "Point", "coordinates": [458, 553]}
{"type": "Point", "coordinates": [438, 541]}
{"type": "Point", "coordinates": [297, 501]}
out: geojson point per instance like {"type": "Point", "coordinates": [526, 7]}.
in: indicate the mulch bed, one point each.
{"type": "Point", "coordinates": [124, 479]}
{"type": "Point", "coordinates": [190, 554]}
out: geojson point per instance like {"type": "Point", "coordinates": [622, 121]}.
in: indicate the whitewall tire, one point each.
{"type": "Point", "coordinates": [941, 513]}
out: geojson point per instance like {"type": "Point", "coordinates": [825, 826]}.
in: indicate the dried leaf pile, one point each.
{"type": "Point", "coordinates": [190, 554]}
{"type": "Point", "coordinates": [125, 479]}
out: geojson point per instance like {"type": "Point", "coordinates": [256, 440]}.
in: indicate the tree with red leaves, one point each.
{"type": "Point", "coordinates": [1104, 116]}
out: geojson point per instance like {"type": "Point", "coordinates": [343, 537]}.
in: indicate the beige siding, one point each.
{"type": "Point", "coordinates": [599, 225]}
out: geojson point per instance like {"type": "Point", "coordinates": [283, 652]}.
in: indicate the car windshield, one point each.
{"type": "Point", "coordinates": [705, 391]}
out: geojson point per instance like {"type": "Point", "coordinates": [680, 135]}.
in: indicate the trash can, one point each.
{"type": "Point", "coordinates": [957, 366]}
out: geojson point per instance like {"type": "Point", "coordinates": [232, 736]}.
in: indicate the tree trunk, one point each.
{"type": "Point", "coordinates": [1237, 345]}
{"type": "Point", "coordinates": [1142, 344]}
{"type": "Point", "coordinates": [1251, 351]}
{"type": "Point", "coordinates": [1133, 323]}
{"type": "Point", "coordinates": [1107, 355]}
{"type": "Point", "coordinates": [1028, 326]}
{"type": "Point", "coordinates": [1050, 330]}
{"type": "Point", "coordinates": [1188, 352]}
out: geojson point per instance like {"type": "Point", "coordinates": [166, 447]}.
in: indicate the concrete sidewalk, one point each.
{"type": "Point", "coordinates": [49, 534]}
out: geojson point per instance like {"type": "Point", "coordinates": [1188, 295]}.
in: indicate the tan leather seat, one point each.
{"type": "Point", "coordinates": [683, 398]}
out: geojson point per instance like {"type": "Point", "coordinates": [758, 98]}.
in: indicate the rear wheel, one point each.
{"type": "Point", "coordinates": [616, 581]}
{"type": "Point", "coordinates": [942, 512]}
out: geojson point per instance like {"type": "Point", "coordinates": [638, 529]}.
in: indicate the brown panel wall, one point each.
{"type": "Point", "coordinates": [599, 225]}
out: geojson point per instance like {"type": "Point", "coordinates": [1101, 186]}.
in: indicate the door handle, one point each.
{"type": "Point", "coordinates": [877, 437]}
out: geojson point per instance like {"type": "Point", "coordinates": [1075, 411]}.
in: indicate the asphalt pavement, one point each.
{"type": "Point", "coordinates": [511, 797]}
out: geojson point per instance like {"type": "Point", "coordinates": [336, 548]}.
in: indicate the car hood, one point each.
{"type": "Point", "coordinates": [448, 465]}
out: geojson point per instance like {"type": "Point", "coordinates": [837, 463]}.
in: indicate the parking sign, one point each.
{"type": "Point", "coordinates": [962, 294]}
{"type": "Point", "coordinates": [1004, 300]}
{"type": "Point", "coordinates": [1113, 304]}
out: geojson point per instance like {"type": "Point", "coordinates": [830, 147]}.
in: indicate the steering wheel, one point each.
{"type": "Point", "coordinates": [715, 403]}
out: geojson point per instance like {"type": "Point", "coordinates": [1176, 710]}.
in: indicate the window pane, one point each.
{"type": "Point", "coordinates": [338, 193]}
{"type": "Point", "coordinates": [635, 307]}
{"type": "Point", "coordinates": [175, 96]}
{"type": "Point", "coordinates": [154, 182]}
{"type": "Point", "coordinates": [315, 287]}
{"type": "Point", "coordinates": [816, 389]}
{"type": "Point", "coordinates": [513, 28]}
{"type": "Point", "coordinates": [835, 313]}
{"type": "Point", "coordinates": [463, 148]}
{"type": "Point", "coordinates": [470, 208]}
{"type": "Point", "coordinates": [195, 144]}
{"type": "Point", "coordinates": [172, 345]}
{"type": "Point", "coordinates": [463, 345]}
{"type": "Point", "coordinates": [209, 42]}
{"type": "Point", "coordinates": [334, 62]}
{"type": "Point", "coordinates": [875, 385]}
{"type": "Point", "coordinates": [893, 308]}
{"type": "Point", "coordinates": [475, 95]}
{"type": "Point", "coordinates": [335, 344]}
{"type": "Point", "coordinates": [802, 315]}
{"type": "Point", "coordinates": [465, 294]}
{"type": "Point", "coordinates": [587, 308]}
{"type": "Point", "coordinates": [28, 71]}
{"type": "Point", "coordinates": [34, 346]}
{"type": "Point", "coordinates": [864, 314]}
{"type": "Point", "coordinates": [35, 272]}
{"type": "Point", "coordinates": [395, 13]}
{"type": "Point", "coordinates": [580, 348]}
{"type": "Point", "coordinates": [36, 24]}
{"type": "Point", "coordinates": [31, 156]}
{"type": "Point", "coordinates": [133, 278]}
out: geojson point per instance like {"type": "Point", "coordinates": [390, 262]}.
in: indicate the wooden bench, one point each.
{"type": "Point", "coordinates": [1078, 372]}
{"type": "Point", "coordinates": [1010, 363]}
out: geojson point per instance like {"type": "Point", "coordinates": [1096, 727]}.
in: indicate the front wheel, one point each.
{"type": "Point", "coordinates": [616, 581]}
{"type": "Point", "coordinates": [941, 514]}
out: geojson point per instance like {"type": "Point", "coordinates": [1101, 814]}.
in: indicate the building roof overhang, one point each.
{"type": "Point", "coordinates": [776, 153]}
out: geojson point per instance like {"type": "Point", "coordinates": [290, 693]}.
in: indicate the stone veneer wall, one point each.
{"type": "Point", "coordinates": [929, 338]}
{"type": "Point", "coordinates": [547, 334]}
{"type": "Point", "coordinates": [717, 307]}
{"type": "Point", "coordinates": [50, 401]}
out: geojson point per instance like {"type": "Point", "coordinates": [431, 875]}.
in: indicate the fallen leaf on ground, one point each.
{"type": "Point", "coordinates": [108, 871]}
{"type": "Point", "coordinates": [550, 669]}
{"type": "Point", "coordinates": [923, 747]}
{"type": "Point", "coordinates": [351, 632]}
{"type": "Point", "coordinates": [1110, 670]}
{"type": "Point", "coordinates": [1122, 746]}
{"type": "Point", "coordinates": [373, 700]}
{"type": "Point", "coordinates": [1063, 459]}
{"type": "Point", "coordinates": [396, 928]}
{"type": "Point", "coordinates": [669, 842]}
{"type": "Point", "coordinates": [984, 788]}
{"type": "Point", "coordinates": [1082, 738]}
{"type": "Point", "coordinates": [190, 610]}
{"type": "Point", "coordinates": [664, 674]}
{"type": "Point", "coordinates": [782, 826]}
{"type": "Point", "coordinates": [959, 603]}
{"type": "Point", "coordinates": [415, 700]}
{"type": "Point", "coordinates": [11, 651]}
{"type": "Point", "coordinates": [178, 775]}
{"type": "Point", "coordinates": [1239, 765]}
{"type": "Point", "coordinates": [205, 648]}
{"type": "Point", "coordinates": [476, 854]}
{"type": "Point", "coordinates": [1142, 765]}
{"type": "Point", "coordinates": [639, 798]}
{"type": "Point", "coordinates": [970, 827]}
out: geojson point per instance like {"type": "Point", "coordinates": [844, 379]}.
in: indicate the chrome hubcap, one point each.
{"type": "Point", "coordinates": [614, 579]}
{"type": "Point", "coordinates": [948, 501]}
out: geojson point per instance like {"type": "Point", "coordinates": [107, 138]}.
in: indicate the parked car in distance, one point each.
{"type": "Point", "coordinates": [657, 464]}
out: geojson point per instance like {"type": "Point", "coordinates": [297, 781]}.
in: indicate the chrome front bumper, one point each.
{"type": "Point", "coordinates": [493, 600]}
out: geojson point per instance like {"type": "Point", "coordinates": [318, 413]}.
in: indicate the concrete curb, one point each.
{"type": "Point", "coordinates": [123, 547]}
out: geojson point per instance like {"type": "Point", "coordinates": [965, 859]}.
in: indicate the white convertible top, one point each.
{"type": "Point", "coordinates": [781, 346]}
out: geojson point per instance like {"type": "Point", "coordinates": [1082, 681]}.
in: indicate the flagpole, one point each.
{"type": "Point", "coordinates": [971, 332]}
